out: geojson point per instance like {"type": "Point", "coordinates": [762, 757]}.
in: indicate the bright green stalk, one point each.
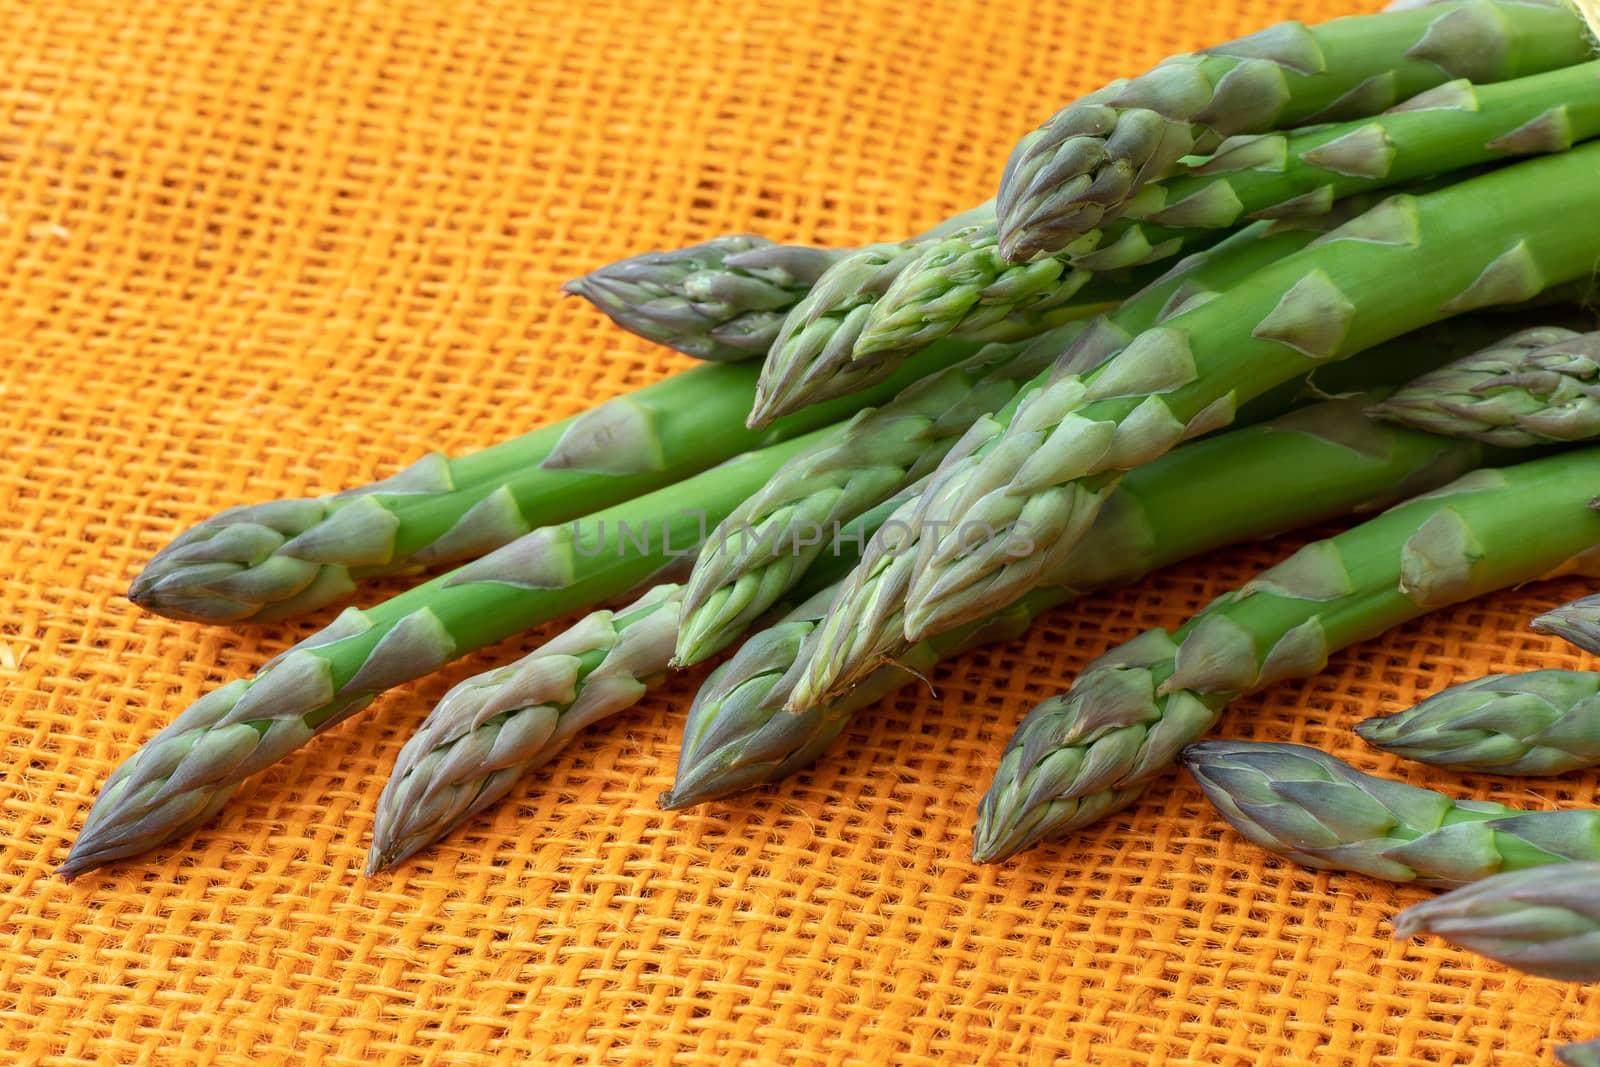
{"type": "Point", "coordinates": [1321, 812]}
{"type": "Point", "coordinates": [180, 777]}
{"type": "Point", "coordinates": [1456, 126]}
{"type": "Point", "coordinates": [1537, 722]}
{"type": "Point", "coordinates": [1539, 386]}
{"type": "Point", "coordinates": [721, 300]}
{"type": "Point", "coordinates": [1001, 513]}
{"type": "Point", "coordinates": [493, 729]}
{"type": "Point", "coordinates": [1543, 921]}
{"type": "Point", "coordinates": [1128, 714]}
{"type": "Point", "coordinates": [1083, 166]}
{"type": "Point", "coordinates": [866, 624]}
{"type": "Point", "coordinates": [287, 557]}
{"type": "Point", "coordinates": [769, 540]}
{"type": "Point", "coordinates": [1243, 485]}
{"type": "Point", "coordinates": [1577, 623]}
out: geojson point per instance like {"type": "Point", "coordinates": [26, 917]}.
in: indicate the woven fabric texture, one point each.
{"type": "Point", "coordinates": [259, 250]}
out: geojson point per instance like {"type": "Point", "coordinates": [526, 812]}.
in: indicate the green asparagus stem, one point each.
{"type": "Point", "coordinates": [283, 558]}
{"type": "Point", "coordinates": [1128, 714]}
{"type": "Point", "coordinates": [769, 541]}
{"type": "Point", "coordinates": [1538, 722]}
{"type": "Point", "coordinates": [1579, 1054]}
{"type": "Point", "coordinates": [1321, 812]}
{"type": "Point", "coordinates": [497, 727]}
{"type": "Point", "coordinates": [1003, 511]}
{"type": "Point", "coordinates": [1543, 921]}
{"type": "Point", "coordinates": [1082, 167]}
{"type": "Point", "coordinates": [1577, 623]}
{"type": "Point", "coordinates": [1539, 386]}
{"type": "Point", "coordinates": [721, 300]}
{"type": "Point", "coordinates": [867, 625]}
{"type": "Point", "coordinates": [1243, 485]}
{"type": "Point", "coordinates": [183, 774]}
{"type": "Point", "coordinates": [959, 281]}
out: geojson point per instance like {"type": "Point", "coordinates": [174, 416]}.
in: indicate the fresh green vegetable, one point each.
{"type": "Point", "coordinates": [497, 727]}
{"type": "Point", "coordinates": [1539, 386]}
{"type": "Point", "coordinates": [1083, 166]}
{"type": "Point", "coordinates": [494, 728]}
{"type": "Point", "coordinates": [283, 558]}
{"type": "Point", "coordinates": [1305, 466]}
{"type": "Point", "coordinates": [1543, 921]}
{"type": "Point", "coordinates": [1321, 812]}
{"type": "Point", "coordinates": [184, 774]}
{"type": "Point", "coordinates": [1005, 510]}
{"type": "Point", "coordinates": [866, 624]}
{"type": "Point", "coordinates": [1130, 712]}
{"type": "Point", "coordinates": [721, 300]}
{"type": "Point", "coordinates": [1538, 722]}
{"type": "Point", "coordinates": [959, 281]}
{"type": "Point", "coordinates": [768, 541]}
{"type": "Point", "coordinates": [1579, 1054]}
{"type": "Point", "coordinates": [1577, 623]}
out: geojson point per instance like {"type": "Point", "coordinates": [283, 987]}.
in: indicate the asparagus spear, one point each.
{"type": "Point", "coordinates": [1578, 623]}
{"type": "Point", "coordinates": [721, 300]}
{"type": "Point", "coordinates": [1539, 386]}
{"type": "Point", "coordinates": [1242, 485]}
{"type": "Point", "coordinates": [1543, 921]}
{"type": "Point", "coordinates": [813, 357]}
{"type": "Point", "coordinates": [1450, 128]}
{"type": "Point", "coordinates": [1004, 510]}
{"type": "Point", "coordinates": [1579, 1054]}
{"type": "Point", "coordinates": [1127, 715]}
{"type": "Point", "coordinates": [769, 540]}
{"type": "Point", "coordinates": [497, 727]}
{"type": "Point", "coordinates": [1537, 722]}
{"type": "Point", "coordinates": [274, 560]}
{"type": "Point", "coordinates": [866, 625]}
{"type": "Point", "coordinates": [1321, 812]}
{"type": "Point", "coordinates": [180, 777]}
{"type": "Point", "coordinates": [493, 728]}
{"type": "Point", "coordinates": [1087, 161]}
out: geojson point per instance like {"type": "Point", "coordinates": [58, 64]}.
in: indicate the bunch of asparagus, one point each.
{"type": "Point", "coordinates": [1317, 272]}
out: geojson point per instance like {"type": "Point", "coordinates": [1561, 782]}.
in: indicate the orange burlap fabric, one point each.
{"type": "Point", "coordinates": [256, 250]}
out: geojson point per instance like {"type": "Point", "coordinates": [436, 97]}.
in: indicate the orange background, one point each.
{"type": "Point", "coordinates": [254, 250]}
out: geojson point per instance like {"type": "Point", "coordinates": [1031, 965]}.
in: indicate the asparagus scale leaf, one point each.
{"type": "Point", "coordinates": [1321, 812]}
{"type": "Point", "coordinates": [1130, 712]}
{"type": "Point", "coordinates": [182, 775]}
{"type": "Point", "coordinates": [1543, 921]}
